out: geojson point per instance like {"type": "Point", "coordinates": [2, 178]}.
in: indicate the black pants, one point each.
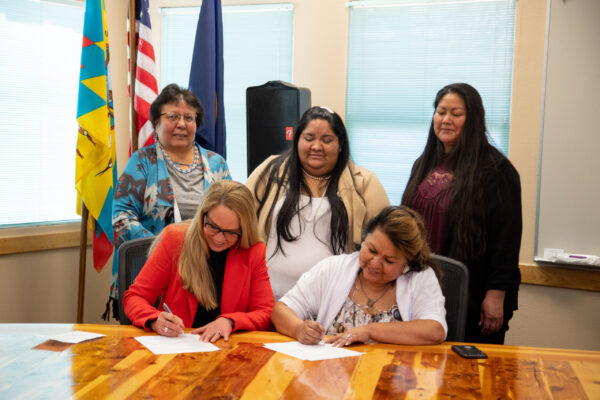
{"type": "Point", "coordinates": [473, 329]}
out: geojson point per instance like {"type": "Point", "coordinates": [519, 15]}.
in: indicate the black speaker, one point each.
{"type": "Point", "coordinates": [272, 111]}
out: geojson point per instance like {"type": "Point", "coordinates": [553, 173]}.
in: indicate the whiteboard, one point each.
{"type": "Point", "coordinates": [569, 174]}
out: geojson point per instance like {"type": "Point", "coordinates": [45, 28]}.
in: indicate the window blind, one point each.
{"type": "Point", "coordinates": [40, 58]}
{"type": "Point", "coordinates": [400, 53]}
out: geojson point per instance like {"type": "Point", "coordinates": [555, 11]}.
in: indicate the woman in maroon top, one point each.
{"type": "Point", "coordinates": [470, 197]}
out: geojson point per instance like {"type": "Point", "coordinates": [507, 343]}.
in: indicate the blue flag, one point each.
{"type": "Point", "coordinates": [206, 76]}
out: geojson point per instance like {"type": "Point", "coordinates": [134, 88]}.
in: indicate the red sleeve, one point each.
{"type": "Point", "coordinates": [154, 277]}
{"type": "Point", "coordinates": [257, 316]}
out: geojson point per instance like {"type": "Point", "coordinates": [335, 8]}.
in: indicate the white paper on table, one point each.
{"type": "Point", "coordinates": [75, 336]}
{"type": "Point", "coordinates": [186, 343]}
{"type": "Point", "coordinates": [313, 352]}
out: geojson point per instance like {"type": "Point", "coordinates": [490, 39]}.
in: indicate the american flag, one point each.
{"type": "Point", "coordinates": [146, 86]}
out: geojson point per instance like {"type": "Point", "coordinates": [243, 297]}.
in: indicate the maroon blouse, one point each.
{"type": "Point", "coordinates": [431, 200]}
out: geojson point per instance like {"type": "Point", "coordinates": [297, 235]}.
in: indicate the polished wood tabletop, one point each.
{"type": "Point", "coordinates": [118, 366]}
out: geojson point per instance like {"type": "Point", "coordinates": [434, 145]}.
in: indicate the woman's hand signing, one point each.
{"type": "Point", "coordinates": [359, 334]}
{"type": "Point", "coordinates": [211, 332]}
{"type": "Point", "coordinates": [310, 332]}
{"type": "Point", "coordinates": [167, 325]}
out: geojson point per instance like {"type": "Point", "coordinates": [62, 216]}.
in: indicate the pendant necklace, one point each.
{"type": "Point", "coordinates": [315, 210]}
{"type": "Point", "coordinates": [371, 302]}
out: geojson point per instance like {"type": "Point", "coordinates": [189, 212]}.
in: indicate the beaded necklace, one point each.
{"type": "Point", "coordinates": [316, 178]}
{"type": "Point", "coordinates": [177, 166]}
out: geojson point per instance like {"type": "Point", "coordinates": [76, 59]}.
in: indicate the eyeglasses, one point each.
{"type": "Point", "coordinates": [174, 117]}
{"type": "Point", "coordinates": [215, 230]}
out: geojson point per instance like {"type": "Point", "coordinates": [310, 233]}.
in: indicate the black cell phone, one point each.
{"type": "Point", "coordinates": [468, 351]}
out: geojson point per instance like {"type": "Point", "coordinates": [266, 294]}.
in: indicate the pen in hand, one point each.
{"type": "Point", "coordinates": [175, 319]}
{"type": "Point", "coordinates": [314, 330]}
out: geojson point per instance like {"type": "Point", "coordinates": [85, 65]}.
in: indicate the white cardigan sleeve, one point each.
{"type": "Point", "coordinates": [419, 296]}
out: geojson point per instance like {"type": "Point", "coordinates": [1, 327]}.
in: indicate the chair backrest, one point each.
{"type": "Point", "coordinates": [455, 286]}
{"type": "Point", "coordinates": [132, 257]}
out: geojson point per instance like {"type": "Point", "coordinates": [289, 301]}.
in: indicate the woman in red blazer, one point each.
{"type": "Point", "coordinates": [210, 272]}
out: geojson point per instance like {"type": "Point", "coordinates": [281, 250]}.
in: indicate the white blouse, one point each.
{"type": "Point", "coordinates": [312, 227]}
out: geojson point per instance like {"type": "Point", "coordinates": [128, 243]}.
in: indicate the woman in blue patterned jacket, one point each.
{"type": "Point", "coordinates": [165, 182]}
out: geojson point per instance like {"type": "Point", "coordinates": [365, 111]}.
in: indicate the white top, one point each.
{"type": "Point", "coordinates": [312, 245]}
{"type": "Point", "coordinates": [321, 292]}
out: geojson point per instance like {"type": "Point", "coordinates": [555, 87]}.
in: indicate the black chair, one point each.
{"type": "Point", "coordinates": [132, 257]}
{"type": "Point", "coordinates": [455, 286]}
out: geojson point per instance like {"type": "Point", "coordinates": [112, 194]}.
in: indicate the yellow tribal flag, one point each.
{"type": "Point", "coordinates": [95, 162]}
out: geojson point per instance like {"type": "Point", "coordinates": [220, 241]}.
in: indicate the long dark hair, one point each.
{"type": "Point", "coordinates": [471, 160]}
{"type": "Point", "coordinates": [291, 174]}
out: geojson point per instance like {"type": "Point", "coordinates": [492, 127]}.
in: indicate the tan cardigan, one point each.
{"type": "Point", "coordinates": [360, 190]}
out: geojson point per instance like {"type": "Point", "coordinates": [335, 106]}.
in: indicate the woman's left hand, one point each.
{"type": "Point", "coordinates": [492, 312]}
{"type": "Point", "coordinates": [359, 334]}
{"type": "Point", "coordinates": [220, 327]}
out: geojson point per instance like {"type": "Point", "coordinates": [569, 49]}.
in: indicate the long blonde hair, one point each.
{"type": "Point", "coordinates": [193, 261]}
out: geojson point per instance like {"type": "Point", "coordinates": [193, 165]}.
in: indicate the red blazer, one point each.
{"type": "Point", "coordinates": [247, 297]}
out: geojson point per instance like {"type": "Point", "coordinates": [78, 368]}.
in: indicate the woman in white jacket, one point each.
{"type": "Point", "coordinates": [387, 292]}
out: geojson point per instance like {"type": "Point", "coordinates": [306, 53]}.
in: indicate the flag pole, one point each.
{"type": "Point", "coordinates": [82, 254]}
{"type": "Point", "coordinates": [132, 70]}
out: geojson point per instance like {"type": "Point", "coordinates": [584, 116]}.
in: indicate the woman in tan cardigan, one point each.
{"type": "Point", "coordinates": [312, 201]}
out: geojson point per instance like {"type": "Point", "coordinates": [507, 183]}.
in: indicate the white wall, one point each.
{"type": "Point", "coordinates": [43, 287]}
{"type": "Point", "coordinates": [554, 317]}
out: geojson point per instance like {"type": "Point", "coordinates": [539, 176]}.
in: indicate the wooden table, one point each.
{"type": "Point", "coordinates": [117, 366]}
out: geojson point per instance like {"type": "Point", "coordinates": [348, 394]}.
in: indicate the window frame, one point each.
{"type": "Point", "coordinates": [19, 229]}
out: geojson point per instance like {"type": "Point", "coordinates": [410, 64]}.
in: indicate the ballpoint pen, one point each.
{"type": "Point", "coordinates": [167, 309]}
{"type": "Point", "coordinates": [314, 319]}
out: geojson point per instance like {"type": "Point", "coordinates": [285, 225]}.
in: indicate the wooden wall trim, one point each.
{"type": "Point", "coordinates": [570, 278]}
{"type": "Point", "coordinates": [531, 274]}
{"type": "Point", "coordinates": [29, 242]}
